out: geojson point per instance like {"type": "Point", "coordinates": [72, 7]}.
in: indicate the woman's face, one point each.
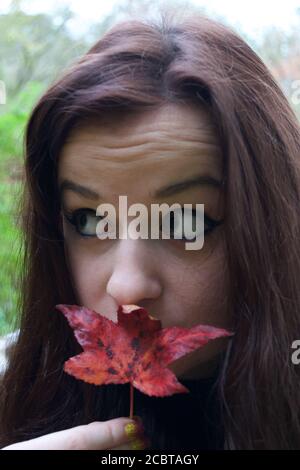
{"type": "Point", "coordinates": [139, 156]}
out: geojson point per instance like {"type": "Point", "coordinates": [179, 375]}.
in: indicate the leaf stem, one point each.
{"type": "Point", "coordinates": [131, 401]}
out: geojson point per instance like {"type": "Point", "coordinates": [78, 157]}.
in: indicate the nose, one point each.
{"type": "Point", "coordinates": [134, 276]}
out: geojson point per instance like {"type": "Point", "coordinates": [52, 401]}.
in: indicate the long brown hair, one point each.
{"type": "Point", "coordinates": [138, 64]}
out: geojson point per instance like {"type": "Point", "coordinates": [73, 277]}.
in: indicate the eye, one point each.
{"type": "Point", "coordinates": [84, 221]}
{"type": "Point", "coordinates": [188, 222]}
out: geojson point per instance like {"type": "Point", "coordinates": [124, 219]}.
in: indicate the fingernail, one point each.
{"type": "Point", "coordinates": [139, 444]}
{"type": "Point", "coordinates": [139, 421]}
{"type": "Point", "coordinates": [132, 430]}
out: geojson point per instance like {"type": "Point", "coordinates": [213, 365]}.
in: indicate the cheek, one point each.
{"type": "Point", "coordinates": [200, 297]}
{"type": "Point", "coordinates": [88, 280]}
{"type": "Point", "coordinates": [198, 290]}
{"type": "Point", "coordinates": [207, 290]}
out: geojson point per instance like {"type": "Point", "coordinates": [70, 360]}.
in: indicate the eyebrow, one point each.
{"type": "Point", "coordinates": [199, 180]}
{"type": "Point", "coordinates": [68, 185]}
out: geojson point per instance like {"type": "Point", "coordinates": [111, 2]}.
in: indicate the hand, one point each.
{"type": "Point", "coordinates": [115, 434]}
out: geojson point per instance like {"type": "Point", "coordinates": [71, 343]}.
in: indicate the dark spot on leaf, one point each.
{"type": "Point", "coordinates": [146, 367]}
{"type": "Point", "coordinates": [135, 343]}
{"type": "Point", "coordinates": [100, 344]}
{"type": "Point", "coordinates": [111, 370]}
{"type": "Point", "coordinates": [130, 366]}
{"type": "Point", "coordinates": [109, 352]}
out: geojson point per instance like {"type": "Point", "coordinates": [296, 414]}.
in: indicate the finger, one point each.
{"type": "Point", "coordinates": [139, 442]}
{"type": "Point", "coordinates": [93, 436]}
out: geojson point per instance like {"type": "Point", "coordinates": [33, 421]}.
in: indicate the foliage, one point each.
{"type": "Point", "coordinates": [10, 249]}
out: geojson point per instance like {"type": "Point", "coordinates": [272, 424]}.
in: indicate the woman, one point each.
{"type": "Point", "coordinates": [147, 109]}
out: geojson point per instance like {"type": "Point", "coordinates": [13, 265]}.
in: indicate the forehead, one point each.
{"type": "Point", "coordinates": [173, 138]}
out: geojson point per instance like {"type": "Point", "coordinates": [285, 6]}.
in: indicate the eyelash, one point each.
{"type": "Point", "coordinates": [71, 218]}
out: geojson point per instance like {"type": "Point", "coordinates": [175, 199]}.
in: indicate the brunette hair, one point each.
{"type": "Point", "coordinates": [134, 66]}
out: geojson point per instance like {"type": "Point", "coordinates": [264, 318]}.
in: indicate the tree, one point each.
{"type": "Point", "coordinates": [31, 46]}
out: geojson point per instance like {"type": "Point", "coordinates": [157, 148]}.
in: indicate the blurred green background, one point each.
{"type": "Point", "coordinates": [34, 49]}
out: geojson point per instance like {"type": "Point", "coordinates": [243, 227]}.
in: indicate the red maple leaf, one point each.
{"type": "Point", "coordinates": [135, 350]}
